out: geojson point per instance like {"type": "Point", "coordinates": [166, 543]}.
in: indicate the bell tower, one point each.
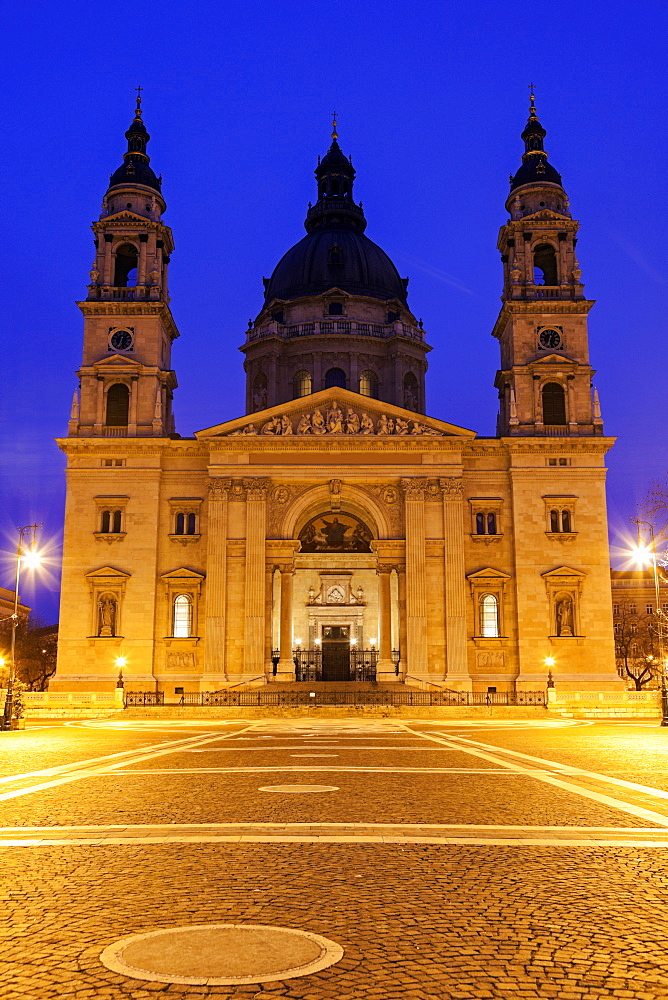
{"type": "Point", "coordinates": [545, 381]}
{"type": "Point", "coordinates": [126, 381]}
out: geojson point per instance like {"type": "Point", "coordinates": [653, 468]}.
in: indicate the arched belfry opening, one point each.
{"type": "Point", "coordinates": [335, 607]}
{"type": "Point", "coordinates": [125, 271]}
{"type": "Point", "coordinates": [545, 265]}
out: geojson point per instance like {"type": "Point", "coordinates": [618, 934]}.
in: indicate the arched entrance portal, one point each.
{"type": "Point", "coordinates": [334, 606]}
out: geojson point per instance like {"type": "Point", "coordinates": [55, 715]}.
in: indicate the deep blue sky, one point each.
{"type": "Point", "coordinates": [431, 97]}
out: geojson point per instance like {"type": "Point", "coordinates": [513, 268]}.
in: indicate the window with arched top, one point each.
{"type": "Point", "coordinates": [335, 378]}
{"type": "Point", "coordinates": [561, 520]}
{"type": "Point", "coordinates": [302, 384]}
{"type": "Point", "coordinates": [180, 526]}
{"type": "Point", "coordinates": [545, 265]}
{"type": "Point", "coordinates": [554, 403]}
{"type": "Point", "coordinates": [125, 272]}
{"type": "Point", "coordinates": [489, 615]}
{"type": "Point", "coordinates": [411, 392]}
{"type": "Point", "coordinates": [369, 384]}
{"type": "Point", "coordinates": [191, 524]}
{"type": "Point", "coordinates": [118, 405]}
{"type": "Point", "coordinates": [182, 616]}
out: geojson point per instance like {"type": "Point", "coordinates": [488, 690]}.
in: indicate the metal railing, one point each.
{"type": "Point", "coordinates": [266, 697]}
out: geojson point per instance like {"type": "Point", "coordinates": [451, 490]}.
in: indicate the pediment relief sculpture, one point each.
{"type": "Point", "coordinates": [335, 420]}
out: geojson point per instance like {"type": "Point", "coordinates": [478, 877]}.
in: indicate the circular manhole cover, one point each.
{"type": "Point", "coordinates": [221, 954]}
{"type": "Point", "coordinates": [296, 789]}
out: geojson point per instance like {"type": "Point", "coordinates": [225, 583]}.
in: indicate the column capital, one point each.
{"type": "Point", "coordinates": [218, 489]}
{"type": "Point", "coordinates": [385, 567]}
{"type": "Point", "coordinates": [286, 569]}
{"type": "Point", "coordinates": [414, 488]}
{"type": "Point", "coordinates": [453, 487]}
{"type": "Point", "coordinates": [256, 489]}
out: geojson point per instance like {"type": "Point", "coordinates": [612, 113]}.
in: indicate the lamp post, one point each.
{"type": "Point", "coordinates": [31, 558]}
{"type": "Point", "coordinates": [643, 554]}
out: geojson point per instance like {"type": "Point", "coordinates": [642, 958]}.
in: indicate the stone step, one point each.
{"type": "Point", "coordinates": [350, 686]}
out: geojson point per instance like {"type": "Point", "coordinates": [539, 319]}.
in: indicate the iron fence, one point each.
{"type": "Point", "coordinates": [267, 697]}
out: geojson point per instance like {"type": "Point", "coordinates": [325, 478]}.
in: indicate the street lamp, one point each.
{"type": "Point", "coordinates": [646, 554]}
{"type": "Point", "coordinates": [31, 558]}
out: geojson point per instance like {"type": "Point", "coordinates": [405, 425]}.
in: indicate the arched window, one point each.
{"type": "Point", "coordinates": [545, 265]}
{"type": "Point", "coordinates": [561, 520]}
{"type": "Point", "coordinates": [489, 615]}
{"type": "Point", "coordinates": [125, 273]}
{"type": "Point", "coordinates": [183, 616]}
{"type": "Point", "coordinates": [191, 524]}
{"type": "Point", "coordinates": [369, 384]}
{"type": "Point", "coordinates": [105, 524]}
{"type": "Point", "coordinates": [335, 378]}
{"type": "Point", "coordinates": [554, 520]}
{"type": "Point", "coordinates": [411, 395]}
{"type": "Point", "coordinates": [480, 524]}
{"type": "Point", "coordinates": [259, 392]}
{"type": "Point", "coordinates": [491, 523]}
{"type": "Point", "coordinates": [302, 384]}
{"type": "Point", "coordinates": [116, 524]}
{"type": "Point", "coordinates": [554, 403]}
{"type": "Point", "coordinates": [118, 405]}
{"type": "Point", "coordinates": [565, 520]}
{"type": "Point", "coordinates": [180, 524]}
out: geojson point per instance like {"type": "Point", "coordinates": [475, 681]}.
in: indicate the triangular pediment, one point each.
{"type": "Point", "coordinates": [336, 412]}
{"type": "Point", "coordinates": [488, 574]}
{"type": "Point", "coordinates": [116, 362]}
{"type": "Point", "coordinates": [130, 216]}
{"type": "Point", "coordinates": [555, 359]}
{"type": "Point", "coordinates": [183, 573]}
{"type": "Point", "coordinates": [108, 572]}
{"type": "Point", "coordinates": [562, 571]}
{"type": "Point", "coordinates": [547, 213]}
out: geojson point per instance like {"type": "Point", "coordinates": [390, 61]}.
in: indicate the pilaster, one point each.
{"type": "Point", "coordinates": [256, 520]}
{"type": "Point", "coordinates": [416, 594]}
{"type": "Point", "coordinates": [216, 586]}
{"type": "Point", "coordinates": [455, 584]}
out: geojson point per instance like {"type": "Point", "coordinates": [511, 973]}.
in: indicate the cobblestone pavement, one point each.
{"type": "Point", "coordinates": [419, 911]}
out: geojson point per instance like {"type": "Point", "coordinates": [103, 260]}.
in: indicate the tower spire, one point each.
{"type": "Point", "coordinates": [335, 130]}
{"type": "Point", "coordinates": [138, 107]}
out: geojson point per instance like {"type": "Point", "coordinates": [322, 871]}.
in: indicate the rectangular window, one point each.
{"type": "Point", "coordinates": [649, 609]}
{"type": "Point", "coordinates": [615, 609]}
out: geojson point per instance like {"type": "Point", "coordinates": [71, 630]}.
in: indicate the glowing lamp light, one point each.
{"type": "Point", "coordinates": [550, 661]}
{"type": "Point", "coordinates": [353, 642]}
{"type": "Point", "coordinates": [121, 661]}
{"type": "Point", "coordinates": [298, 642]}
{"type": "Point", "coordinates": [642, 554]}
{"type": "Point", "coordinates": [317, 641]}
{"type": "Point", "coordinates": [372, 642]}
{"type": "Point", "coordinates": [31, 559]}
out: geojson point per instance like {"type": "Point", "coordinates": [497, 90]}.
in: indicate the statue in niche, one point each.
{"type": "Point", "coordinates": [304, 425]}
{"type": "Point", "coordinates": [410, 397]}
{"type": "Point", "coordinates": [318, 423]}
{"type": "Point", "coordinates": [352, 422]}
{"type": "Point", "coordinates": [367, 424]}
{"type": "Point", "coordinates": [334, 420]}
{"type": "Point", "coordinates": [107, 615]}
{"type": "Point", "coordinates": [260, 398]}
{"type": "Point", "coordinates": [564, 614]}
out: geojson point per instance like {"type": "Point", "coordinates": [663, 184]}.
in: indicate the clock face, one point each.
{"type": "Point", "coordinates": [121, 340]}
{"type": "Point", "coordinates": [550, 339]}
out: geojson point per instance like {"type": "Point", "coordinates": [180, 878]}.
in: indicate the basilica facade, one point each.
{"type": "Point", "coordinates": [336, 531]}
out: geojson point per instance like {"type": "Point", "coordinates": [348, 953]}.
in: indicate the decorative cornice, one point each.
{"type": "Point", "coordinates": [132, 307]}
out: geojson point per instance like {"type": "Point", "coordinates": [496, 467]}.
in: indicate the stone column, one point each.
{"type": "Point", "coordinates": [216, 581]}
{"type": "Point", "coordinates": [141, 264]}
{"type": "Point", "coordinates": [455, 584]}
{"type": "Point", "coordinates": [403, 640]}
{"type": "Point", "coordinates": [133, 407]}
{"type": "Point", "coordinates": [268, 617]}
{"type": "Point", "coordinates": [416, 589]}
{"type": "Point", "coordinates": [100, 415]}
{"type": "Point", "coordinates": [385, 667]}
{"type": "Point", "coordinates": [286, 666]}
{"type": "Point", "coordinates": [254, 597]}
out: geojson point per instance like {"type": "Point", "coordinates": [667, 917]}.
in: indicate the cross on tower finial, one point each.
{"type": "Point", "coordinates": [138, 108]}
{"type": "Point", "coordinates": [532, 99]}
{"type": "Point", "coordinates": [335, 133]}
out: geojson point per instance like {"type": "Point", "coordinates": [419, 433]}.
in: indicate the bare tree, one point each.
{"type": "Point", "coordinates": [36, 649]}
{"type": "Point", "coordinates": [636, 645]}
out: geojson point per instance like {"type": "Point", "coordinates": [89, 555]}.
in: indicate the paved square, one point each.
{"type": "Point", "coordinates": [448, 860]}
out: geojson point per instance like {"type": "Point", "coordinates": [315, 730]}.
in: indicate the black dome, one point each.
{"type": "Point", "coordinates": [335, 257]}
{"type": "Point", "coordinates": [536, 170]}
{"type": "Point", "coordinates": [134, 171]}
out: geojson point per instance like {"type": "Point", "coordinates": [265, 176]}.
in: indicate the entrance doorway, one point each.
{"type": "Point", "coordinates": [336, 653]}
